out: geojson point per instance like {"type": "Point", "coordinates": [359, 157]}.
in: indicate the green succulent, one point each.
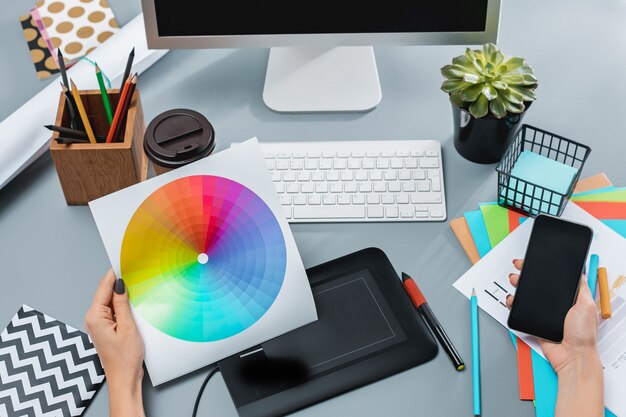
{"type": "Point", "coordinates": [484, 81]}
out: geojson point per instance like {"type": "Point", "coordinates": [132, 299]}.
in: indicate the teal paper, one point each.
{"type": "Point", "coordinates": [478, 229]}
{"type": "Point", "coordinates": [618, 225]}
{"type": "Point", "coordinates": [547, 173]}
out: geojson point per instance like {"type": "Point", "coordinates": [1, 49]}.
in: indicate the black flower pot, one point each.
{"type": "Point", "coordinates": [486, 139]}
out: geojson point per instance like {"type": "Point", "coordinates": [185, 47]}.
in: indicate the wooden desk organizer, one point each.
{"type": "Point", "coordinates": [88, 171]}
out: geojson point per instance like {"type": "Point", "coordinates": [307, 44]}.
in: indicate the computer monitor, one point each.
{"type": "Point", "coordinates": [321, 58]}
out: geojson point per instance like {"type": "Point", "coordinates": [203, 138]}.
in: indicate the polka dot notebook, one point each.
{"type": "Point", "coordinates": [45, 65]}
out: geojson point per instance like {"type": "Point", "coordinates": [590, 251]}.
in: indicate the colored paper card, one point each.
{"type": "Point", "coordinates": [209, 260]}
{"type": "Point", "coordinates": [478, 229]}
{"type": "Point", "coordinates": [604, 210]}
{"type": "Point", "coordinates": [462, 232]}
{"type": "Point", "coordinates": [618, 225]}
{"type": "Point", "coordinates": [594, 182]}
{"type": "Point", "coordinates": [496, 220]}
{"type": "Point", "coordinates": [77, 26]}
{"type": "Point", "coordinates": [43, 61]}
{"type": "Point", "coordinates": [614, 195]}
{"type": "Point", "coordinates": [581, 195]}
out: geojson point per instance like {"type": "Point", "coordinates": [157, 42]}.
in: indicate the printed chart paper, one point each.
{"type": "Point", "coordinates": [489, 277]}
{"type": "Point", "coordinates": [209, 260]}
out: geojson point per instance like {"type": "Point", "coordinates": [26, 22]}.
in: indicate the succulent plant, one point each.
{"type": "Point", "coordinates": [483, 81]}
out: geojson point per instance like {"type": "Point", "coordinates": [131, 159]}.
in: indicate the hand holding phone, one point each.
{"type": "Point", "coordinates": [549, 281]}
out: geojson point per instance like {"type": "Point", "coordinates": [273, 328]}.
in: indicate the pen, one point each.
{"type": "Point", "coordinates": [66, 141]}
{"type": "Point", "coordinates": [475, 352]}
{"type": "Point", "coordinates": [67, 132]}
{"type": "Point", "coordinates": [129, 65]}
{"type": "Point", "coordinates": [431, 321]}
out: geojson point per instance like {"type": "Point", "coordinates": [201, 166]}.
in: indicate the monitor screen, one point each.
{"type": "Point", "coordinates": [270, 17]}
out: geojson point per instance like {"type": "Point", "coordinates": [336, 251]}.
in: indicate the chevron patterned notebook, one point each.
{"type": "Point", "coordinates": [47, 368]}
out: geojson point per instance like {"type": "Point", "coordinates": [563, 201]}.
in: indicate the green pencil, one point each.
{"type": "Point", "coordinates": [105, 96]}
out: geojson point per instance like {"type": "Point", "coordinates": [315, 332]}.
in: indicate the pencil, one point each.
{"type": "Point", "coordinates": [71, 108]}
{"type": "Point", "coordinates": [117, 118]}
{"type": "Point", "coordinates": [129, 66]}
{"type": "Point", "coordinates": [129, 98]}
{"type": "Point", "coordinates": [475, 352]}
{"type": "Point", "coordinates": [105, 96]}
{"type": "Point", "coordinates": [82, 112]}
{"type": "Point", "coordinates": [66, 141]}
{"type": "Point", "coordinates": [72, 133]}
{"type": "Point", "coordinates": [62, 68]}
{"type": "Point", "coordinates": [605, 297]}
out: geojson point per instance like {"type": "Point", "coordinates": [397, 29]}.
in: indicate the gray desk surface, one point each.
{"type": "Point", "coordinates": [52, 257]}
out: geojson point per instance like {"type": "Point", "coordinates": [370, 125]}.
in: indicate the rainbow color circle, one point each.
{"type": "Point", "coordinates": [203, 258]}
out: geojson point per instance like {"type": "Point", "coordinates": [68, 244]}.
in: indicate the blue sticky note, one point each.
{"type": "Point", "coordinates": [478, 229]}
{"type": "Point", "coordinates": [532, 168]}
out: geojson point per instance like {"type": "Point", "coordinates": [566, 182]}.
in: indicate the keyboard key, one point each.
{"type": "Point", "coordinates": [376, 175]}
{"type": "Point", "coordinates": [360, 175]}
{"type": "Point", "coordinates": [382, 163]}
{"type": "Point", "coordinates": [280, 187]}
{"type": "Point", "coordinates": [317, 176]}
{"type": "Point", "coordinates": [343, 154]}
{"type": "Point", "coordinates": [343, 199]}
{"type": "Point", "coordinates": [307, 188]}
{"type": "Point", "coordinates": [321, 187]}
{"type": "Point", "coordinates": [287, 211]}
{"type": "Point", "coordinates": [391, 212]}
{"type": "Point", "coordinates": [310, 164]}
{"type": "Point", "coordinates": [349, 187]}
{"type": "Point", "coordinates": [373, 199]}
{"type": "Point", "coordinates": [297, 164]}
{"type": "Point", "coordinates": [314, 200]}
{"type": "Point", "coordinates": [340, 164]}
{"type": "Point", "coordinates": [281, 165]}
{"type": "Point", "coordinates": [354, 164]}
{"type": "Point", "coordinates": [406, 212]}
{"type": "Point", "coordinates": [358, 199]}
{"type": "Point", "coordinates": [325, 164]}
{"type": "Point", "coordinates": [284, 155]}
{"type": "Point", "coordinates": [299, 155]}
{"type": "Point", "coordinates": [346, 175]}
{"type": "Point", "coordinates": [313, 154]}
{"type": "Point", "coordinates": [285, 200]}
{"type": "Point", "coordinates": [270, 155]}
{"type": "Point", "coordinates": [408, 186]}
{"type": "Point", "coordinates": [365, 187]}
{"type": "Point", "coordinates": [410, 163]}
{"type": "Point", "coordinates": [425, 198]}
{"type": "Point", "coordinates": [436, 213]}
{"type": "Point", "coordinates": [396, 163]}
{"type": "Point", "coordinates": [393, 187]}
{"type": "Point", "coordinates": [429, 163]}
{"type": "Point", "coordinates": [387, 154]}
{"type": "Point", "coordinates": [368, 164]}
{"type": "Point", "coordinates": [417, 153]}
{"type": "Point", "coordinates": [328, 154]}
{"type": "Point", "coordinates": [292, 188]}
{"type": "Point", "coordinates": [402, 154]}
{"type": "Point", "coordinates": [403, 199]}
{"type": "Point", "coordinates": [299, 200]}
{"type": "Point", "coordinates": [332, 176]}
{"type": "Point", "coordinates": [387, 199]}
{"type": "Point", "coordinates": [423, 185]}
{"type": "Point", "coordinates": [336, 187]}
{"type": "Point", "coordinates": [375, 212]}
{"type": "Point", "coordinates": [420, 207]}
{"type": "Point", "coordinates": [358, 154]}
{"type": "Point", "coordinates": [390, 175]}
{"type": "Point", "coordinates": [418, 174]}
{"type": "Point", "coordinates": [432, 153]}
{"type": "Point", "coordinates": [435, 180]}
{"type": "Point", "coordinates": [404, 174]}
{"type": "Point", "coordinates": [380, 187]}
{"type": "Point", "coordinates": [276, 176]}
{"type": "Point", "coordinates": [329, 212]}
{"type": "Point", "coordinates": [271, 164]}
{"type": "Point", "coordinates": [372, 154]}
{"type": "Point", "coordinates": [421, 214]}
{"type": "Point", "coordinates": [303, 176]}
{"type": "Point", "coordinates": [329, 199]}
{"type": "Point", "coordinates": [289, 176]}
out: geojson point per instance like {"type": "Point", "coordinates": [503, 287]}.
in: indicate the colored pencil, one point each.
{"type": "Point", "coordinates": [71, 108]}
{"type": "Point", "coordinates": [62, 68]}
{"type": "Point", "coordinates": [83, 113]}
{"type": "Point", "coordinates": [119, 116]}
{"type": "Point", "coordinates": [105, 96]}
{"type": "Point", "coordinates": [72, 133]}
{"type": "Point", "coordinates": [129, 66]}
{"type": "Point", "coordinates": [422, 307]}
{"type": "Point", "coordinates": [475, 352]}
{"type": "Point", "coordinates": [605, 296]}
{"type": "Point", "coordinates": [592, 275]}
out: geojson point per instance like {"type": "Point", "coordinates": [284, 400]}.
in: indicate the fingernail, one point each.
{"type": "Point", "coordinates": [119, 286]}
{"type": "Point", "coordinates": [508, 296]}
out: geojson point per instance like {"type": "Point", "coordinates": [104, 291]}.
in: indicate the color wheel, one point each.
{"type": "Point", "coordinates": [203, 258]}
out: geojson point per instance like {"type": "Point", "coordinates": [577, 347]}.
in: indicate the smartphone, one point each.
{"type": "Point", "coordinates": [549, 281]}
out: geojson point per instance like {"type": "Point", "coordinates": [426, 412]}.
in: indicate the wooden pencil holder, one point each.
{"type": "Point", "coordinates": [91, 170]}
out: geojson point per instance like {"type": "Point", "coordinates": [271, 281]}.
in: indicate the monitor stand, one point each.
{"type": "Point", "coordinates": [340, 79]}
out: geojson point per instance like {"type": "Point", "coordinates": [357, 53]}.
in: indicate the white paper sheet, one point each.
{"type": "Point", "coordinates": [167, 357]}
{"type": "Point", "coordinates": [23, 134]}
{"type": "Point", "coordinates": [490, 279]}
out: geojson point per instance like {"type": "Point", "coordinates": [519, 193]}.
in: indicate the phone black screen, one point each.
{"type": "Point", "coordinates": [548, 285]}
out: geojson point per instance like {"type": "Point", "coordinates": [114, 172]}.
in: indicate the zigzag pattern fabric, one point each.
{"type": "Point", "coordinates": [47, 368]}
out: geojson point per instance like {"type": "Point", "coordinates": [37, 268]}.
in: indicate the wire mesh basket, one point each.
{"type": "Point", "coordinates": [531, 199]}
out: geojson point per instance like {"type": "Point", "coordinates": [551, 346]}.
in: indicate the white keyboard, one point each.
{"type": "Point", "coordinates": [364, 181]}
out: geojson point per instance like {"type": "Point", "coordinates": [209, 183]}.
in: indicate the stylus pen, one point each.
{"type": "Point", "coordinates": [475, 352]}
{"type": "Point", "coordinates": [431, 321]}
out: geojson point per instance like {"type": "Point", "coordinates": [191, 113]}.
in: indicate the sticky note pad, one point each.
{"type": "Point", "coordinates": [547, 173]}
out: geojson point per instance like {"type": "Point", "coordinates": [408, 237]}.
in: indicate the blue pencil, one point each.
{"type": "Point", "coordinates": [475, 352]}
{"type": "Point", "coordinates": [592, 275]}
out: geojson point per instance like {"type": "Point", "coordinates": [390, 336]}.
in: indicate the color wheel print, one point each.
{"type": "Point", "coordinates": [203, 258]}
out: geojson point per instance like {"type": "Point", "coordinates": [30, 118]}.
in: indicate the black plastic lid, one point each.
{"type": "Point", "coordinates": [178, 137]}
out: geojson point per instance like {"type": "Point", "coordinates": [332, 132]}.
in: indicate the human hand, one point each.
{"type": "Point", "coordinates": [112, 328]}
{"type": "Point", "coordinates": [580, 330]}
